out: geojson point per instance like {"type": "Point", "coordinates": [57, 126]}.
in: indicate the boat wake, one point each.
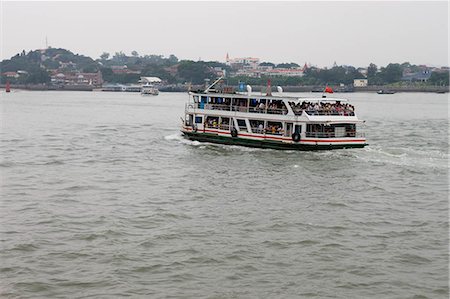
{"type": "Point", "coordinates": [178, 137]}
{"type": "Point", "coordinates": [404, 157]}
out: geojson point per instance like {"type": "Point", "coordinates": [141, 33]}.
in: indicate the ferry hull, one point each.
{"type": "Point", "coordinates": [213, 138]}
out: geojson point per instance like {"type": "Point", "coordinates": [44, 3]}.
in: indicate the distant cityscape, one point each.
{"type": "Point", "coordinates": [61, 68]}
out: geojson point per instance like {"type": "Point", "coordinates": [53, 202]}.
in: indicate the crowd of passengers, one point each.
{"type": "Point", "coordinates": [270, 129]}
{"type": "Point", "coordinates": [271, 107]}
{"type": "Point", "coordinates": [274, 106]}
{"type": "Point", "coordinates": [277, 107]}
{"type": "Point", "coordinates": [323, 108]}
{"type": "Point", "coordinates": [256, 128]}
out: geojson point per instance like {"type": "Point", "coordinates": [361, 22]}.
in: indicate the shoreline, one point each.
{"type": "Point", "coordinates": [315, 89]}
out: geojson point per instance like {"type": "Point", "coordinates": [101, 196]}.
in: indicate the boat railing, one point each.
{"type": "Point", "coordinates": [333, 135]}
{"type": "Point", "coordinates": [331, 112]}
{"type": "Point", "coordinates": [216, 107]}
{"type": "Point", "coordinates": [325, 112]}
{"type": "Point", "coordinates": [270, 131]}
{"type": "Point", "coordinates": [224, 107]}
{"type": "Point", "coordinates": [239, 108]}
{"type": "Point", "coordinates": [282, 111]}
{"type": "Point", "coordinates": [218, 126]}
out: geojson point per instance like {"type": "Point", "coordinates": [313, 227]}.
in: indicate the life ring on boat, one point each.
{"type": "Point", "coordinates": [296, 137]}
{"type": "Point", "coordinates": [234, 132]}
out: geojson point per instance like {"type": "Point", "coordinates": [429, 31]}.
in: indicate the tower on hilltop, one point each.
{"type": "Point", "coordinates": [305, 67]}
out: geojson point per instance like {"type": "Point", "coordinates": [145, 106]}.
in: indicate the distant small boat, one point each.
{"type": "Point", "coordinates": [383, 91]}
{"type": "Point", "coordinates": [149, 90]}
{"type": "Point", "coordinates": [149, 85]}
{"type": "Point", "coordinates": [7, 87]}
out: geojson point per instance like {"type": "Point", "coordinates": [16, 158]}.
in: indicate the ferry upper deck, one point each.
{"type": "Point", "coordinates": [273, 107]}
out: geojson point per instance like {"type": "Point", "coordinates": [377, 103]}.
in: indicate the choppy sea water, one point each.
{"type": "Point", "coordinates": [101, 197]}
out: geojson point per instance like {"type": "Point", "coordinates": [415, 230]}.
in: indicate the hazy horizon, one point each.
{"type": "Point", "coordinates": [320, 33]}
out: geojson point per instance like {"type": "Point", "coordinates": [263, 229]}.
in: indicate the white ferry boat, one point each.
{"type": "Point", "coordinates": [149, 85]}
{"type": "Point", "coordinates": [220, 115]}
{"type": "Point", "coordinates": [149, 90]}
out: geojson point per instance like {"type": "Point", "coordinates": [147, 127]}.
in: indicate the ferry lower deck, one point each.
{"type": "Point", "coordinates": [271, 141]}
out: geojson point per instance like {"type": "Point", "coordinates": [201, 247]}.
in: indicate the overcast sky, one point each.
{"type": "Point", "coordinates": [354, 33]}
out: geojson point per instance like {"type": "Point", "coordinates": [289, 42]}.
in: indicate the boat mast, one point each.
{"type": "Point", "coordinates": [213, 84]}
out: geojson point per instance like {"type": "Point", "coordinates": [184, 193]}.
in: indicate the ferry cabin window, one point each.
{"type": "Point", "coordinates": [224, 123]}
{"type": "Point", "coordinates": [242, 125]}
{"type": "Point", "coordinates": [339, 132]}
{"type": "Point", "coordinates": [195, 99]}
{"type": "Point", "coordinates": [316, 130]}
{"type": "Point", "coordinates": [188, 120]}
{"type": "Point", "coordinates": [257, 126]}
{"type": "Point", "coordinates": [203, 101]}
{"type": "Point", "coordinates": [274, 128]}
{"type": "Point", "coordinates": [350, 130]}
{"type": "Point", "coordinates": [343, 130]}
{"type": "Point", "coordinates": [212, 122]}
{"type": "Point", "coordinates": [198, 119]}
{"type": "Point", "coordinates": [330, 131]}
{"type": "Point", "coordinates": [288, 129]}
{"type": "Point", "coordinates": [225, 120]}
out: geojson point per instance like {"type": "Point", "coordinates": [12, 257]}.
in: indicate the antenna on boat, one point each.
{"type": "Point", "coordinates": [214, 83]}
{"type": "Point", "coordinates": [269, 88]}
{"type": "Point", "coordinates": [206, 82]}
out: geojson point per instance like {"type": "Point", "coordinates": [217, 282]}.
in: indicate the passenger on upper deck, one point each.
{"type": "Point", "coordinates": [271, 106]}
{"type": "Point", "coordinates": [323, 108]}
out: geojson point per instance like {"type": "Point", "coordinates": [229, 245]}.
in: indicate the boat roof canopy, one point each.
{"type": "Point", "coordinates": [273, 97]}
{"type": "Point", "coordinates": [150, 80]}
{"type": "Point", "coordinates": [210, 90]}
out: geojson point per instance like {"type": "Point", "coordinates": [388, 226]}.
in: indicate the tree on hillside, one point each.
{"type": "Point", "coordinates": [287, 65]}
{"type": "Point", "coordinates": [194, 72]}
{"type": "Point", "coordinates": [107, 74]}
{"type": "Point", "coordinates": [440, 79]}
{"type": "Point", "coordinates": [267, 64]}
{"type": "Point", "coordinates": [90, 68]}
{"type": "Point", "coordinates": [50, 64]}
{"type": "Point", "coordinates": [172, 59]}
{"type": "Point", "coordinates": [134, 54]}
{"type": "Point", "coordinates": [391, 73]}
{"type": "Point", "coordinates": [38, 76]}
{"type": "Point", "coordinates": [372, 70]}
{"type": "Point", "coordinates": [119, 57]}
{"type": "Point", "coordinates": [104, 56]}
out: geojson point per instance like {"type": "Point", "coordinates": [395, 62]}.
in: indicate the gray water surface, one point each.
{"type": "Point", "coordinates": [101, 197]}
